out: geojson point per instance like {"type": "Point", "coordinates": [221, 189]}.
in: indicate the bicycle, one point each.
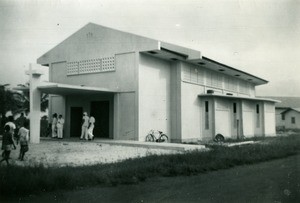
{"type": "Point", "coordinates": [156, 136]}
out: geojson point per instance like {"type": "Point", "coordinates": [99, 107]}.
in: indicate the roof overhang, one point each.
{"type": "Point", "coordinates": [176, 53]}
{"type": "Point", "coordinates": [66, 89]}
{"type": "Point", "coordinates": [238, 97]}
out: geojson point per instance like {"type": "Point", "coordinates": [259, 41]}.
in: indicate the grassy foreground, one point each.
{"type": "Point", "coordinates": [18, 181]}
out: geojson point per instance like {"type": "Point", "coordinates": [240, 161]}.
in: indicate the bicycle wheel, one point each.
{"type": "Point", "coordinates": [149, 138]}
{"type": "Point", "coordinates": [163, 138]}
{"type": "Point", "coordinates": [219, 138]}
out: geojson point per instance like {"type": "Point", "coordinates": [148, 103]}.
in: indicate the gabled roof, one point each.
{"type": "Point", "coordinates": [291, 109]}
{"type": "Point", "coordinates": [94, 38]}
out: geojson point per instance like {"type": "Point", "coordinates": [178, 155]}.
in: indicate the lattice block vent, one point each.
{"type": "Point", "coordinates": [90, 66]}
{"type": "Point", "coordinates": [108, 63]}
{"type": "Point", "coordinates": [72, 68]}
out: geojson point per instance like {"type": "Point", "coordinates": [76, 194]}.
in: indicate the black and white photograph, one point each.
{"type": "Point", "coordinates": [150, 101]}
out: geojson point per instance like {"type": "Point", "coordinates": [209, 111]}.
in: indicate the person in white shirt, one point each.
{"type": "Point", "coordinates": [11, 123]}
{"type": "Point", "coordinates": [60, 127]}
{"type": "Point", "coordinates": [54, 122]}
{"type": "Point", "coordinates": [84, 127]}
{"type": "Point", "coordinates": [91, 128]}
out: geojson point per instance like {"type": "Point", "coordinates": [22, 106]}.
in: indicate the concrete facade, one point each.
{"type": "Point", "coordinates": [133, 84]}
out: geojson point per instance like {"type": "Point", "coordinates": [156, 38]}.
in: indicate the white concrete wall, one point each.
{"type": "Point", "coordinates": [248, 116]}
{"type": "Point", "coordinates": [124, 78]}
{"type": "Point", "coordinates": [57, 105]}
{"type": "Point", "coordinates": [154, 96]}
{"type": "Point", "coordinates": [176, 123]}
{"type": "Point", "coordinates": [190, 111]}
{"type": "Point", "coordinates": [223, 123]}
{"type": "Point", "coordinates": [125, 116]}
{"type": "Point", "coordinates": [259, 130]}
{"type": "Point", "coordinates": [192, 80]}
{"type": "Point", "coordinates": [269, 119]}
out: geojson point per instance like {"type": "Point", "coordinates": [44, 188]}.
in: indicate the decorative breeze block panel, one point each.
{"type": "Point", "coordinates": [108, 63]}
{"type": "Point", "coordinates": [72, 68]}
{"type": "Point", "coordinates": [91, 66]}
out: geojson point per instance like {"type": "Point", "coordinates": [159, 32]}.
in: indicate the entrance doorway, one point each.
{"type": "Point", "coordinates": [100, 111]}
{"type": "Point", "coordinates": [76, 119]}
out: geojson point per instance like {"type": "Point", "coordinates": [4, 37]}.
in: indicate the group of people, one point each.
{"type": "Point", "coordinates": [88, 124]}
{"type": "Point", "coordinates": [57, 126]}
{"type": "Point", "coordinates": [13, 135]}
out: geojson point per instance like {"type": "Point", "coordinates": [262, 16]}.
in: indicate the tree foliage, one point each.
{"type": "Point", "coordinates": [18, 101]}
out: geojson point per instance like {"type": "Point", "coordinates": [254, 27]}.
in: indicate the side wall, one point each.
{"type": "Point", "coordinates": [269, 119]}
{"type": "Point", "coordinates": [288, 120]}
{"type": "Point", "coordinates": [248, 118]}
{"type": "Point", "coordinates": [154, 96]}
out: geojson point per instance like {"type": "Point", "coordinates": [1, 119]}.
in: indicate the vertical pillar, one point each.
{"type": "Point", "coordinates": [116, 128]}
{"type": "Point", "coordinates": [35, 104]}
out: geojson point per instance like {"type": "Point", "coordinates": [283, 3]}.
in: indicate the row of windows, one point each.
{"type": "Point", "coordinates": [196, 75]}
{"type": "Point", "coordinates": [91, 66]}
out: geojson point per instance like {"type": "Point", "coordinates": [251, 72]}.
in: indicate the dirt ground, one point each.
{"type": "Point", "coordinates": [65, 153]}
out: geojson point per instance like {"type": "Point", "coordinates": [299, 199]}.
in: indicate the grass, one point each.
{"type": "Point", "coordinates": [19, 181]}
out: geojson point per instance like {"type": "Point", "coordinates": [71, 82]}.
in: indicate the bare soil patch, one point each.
{"type": "Point", "coordinates": [64, 153]}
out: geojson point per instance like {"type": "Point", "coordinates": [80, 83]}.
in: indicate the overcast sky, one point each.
{"type": "Point", "coordinates": [257, 36]}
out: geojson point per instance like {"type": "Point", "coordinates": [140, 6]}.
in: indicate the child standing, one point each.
{"type": "Point", "coordinates": [24, 138]}
{"type": "Point", "coordinates": [7, 143]}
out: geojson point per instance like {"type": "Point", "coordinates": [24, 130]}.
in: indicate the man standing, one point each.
{"type": "Point", "coordinates": [91, 128]}
{"type": "Point", "coordinates": [84, 127]}
{"type": "Point", "coordinates": [60, 127]}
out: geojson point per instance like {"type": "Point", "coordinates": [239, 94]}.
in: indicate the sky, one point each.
{"type": "Point", "coordinates": [261, 37]}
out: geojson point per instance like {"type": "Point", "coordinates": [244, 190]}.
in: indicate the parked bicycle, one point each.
{"type": "Point", "coordinates": [156, 136]}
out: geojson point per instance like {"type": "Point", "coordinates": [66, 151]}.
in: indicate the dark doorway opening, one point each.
{"type": "Point", "coordinates": [100, 111]}
{"type": "Point", "coordinates": [76, 119]}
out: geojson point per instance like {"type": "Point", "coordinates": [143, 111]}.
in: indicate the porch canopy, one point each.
{"type": "Point", "coordinates": [66, 89]}
{"type": "Point", "coordinates": [239, 97]}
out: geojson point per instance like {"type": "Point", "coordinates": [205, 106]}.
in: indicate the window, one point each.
{"type": "Point", "coordinates": [234, 116]}
{"type": "Point", "coordinates": [257, 116]}
{"type": "Point", "coordinates": [282, 117]}
{"type": "Point", "coordinates": [206, 115]}
{"type": "Point", "coordinates": [293, 119]}
{"type": "Point", "coordinates": [234, 107]}
{"type": "Point", "coordinates": [206, 106]}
